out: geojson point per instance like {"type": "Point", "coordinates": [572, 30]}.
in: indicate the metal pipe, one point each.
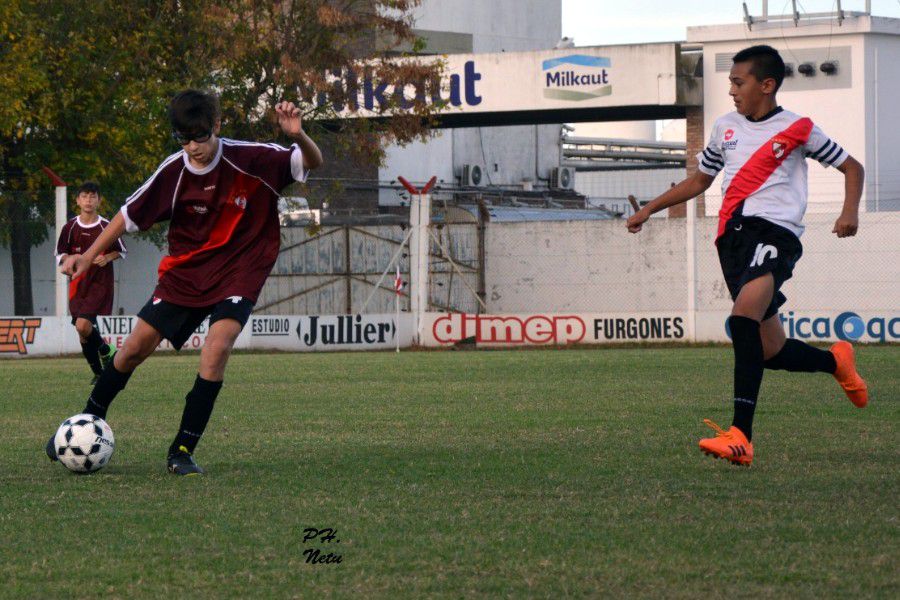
{"type": "Point", "coordinates": [618, 154]}
{"type": "Point", "coordinates": [596, 141]}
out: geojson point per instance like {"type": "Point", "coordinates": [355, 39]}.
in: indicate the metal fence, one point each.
{"type": "Point", "coordinates": [482, 264]}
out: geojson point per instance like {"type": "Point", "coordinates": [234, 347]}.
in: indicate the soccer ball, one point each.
{"type": "Point", "coordinates": [84, 443]}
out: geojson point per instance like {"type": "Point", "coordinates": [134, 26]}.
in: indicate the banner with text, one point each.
{"type": "Point", "coordinates": [21, 337]}
{"type": "Point", "coordinates": [446, 329]}
{"type": "Point", "coordinates": [585, 77]}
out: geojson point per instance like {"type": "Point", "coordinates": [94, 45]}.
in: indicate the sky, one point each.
{"type": "Point", "coordinates": [601, 22]}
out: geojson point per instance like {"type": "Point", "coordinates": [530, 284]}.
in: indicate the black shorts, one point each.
{"type": "Point", "coordinates": [91, 318]}
{"type": "Point", "coordinates": [178, 323]}
{"type": "Point", "coordinates": [753, 247]}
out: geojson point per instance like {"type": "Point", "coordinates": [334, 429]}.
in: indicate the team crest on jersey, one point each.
{"type": "Point", "coordinates": [778, 148]}
{"type": "Point", "coordinates": [728, 143]}
{"type": "Point", "coordinates": [198, 209]}
{"type": "Point", "coordinates": [241, 202]}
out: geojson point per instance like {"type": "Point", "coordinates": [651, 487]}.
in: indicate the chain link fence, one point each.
{"type": "Point", "coordinates": [485, 260]}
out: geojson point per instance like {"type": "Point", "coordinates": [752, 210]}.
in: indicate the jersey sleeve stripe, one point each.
{"type": "Point", "coordinates": [818, 152]}
{"type": "Point", "coordinates": [273, 146]}
{"type": "Point", "coordinates": [236, 168]}
{"type": "Point", "coordinates": [147, 183]}
{"type": "Point", "coordinates": [713, 152]}
{"type": "Point", "coordinates": [832, 154]}
{"type": "Point", "coordinates": [713, 160]}
{"type": "Point", "coordinates": [710, 167]}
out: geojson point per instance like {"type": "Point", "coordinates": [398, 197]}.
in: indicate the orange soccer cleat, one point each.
{"type": "Point", "coordinates": [731, 445]}
{"type": "Point", "coordinates": [854, 386]}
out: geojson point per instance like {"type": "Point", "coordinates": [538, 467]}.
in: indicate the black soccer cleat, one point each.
{"type": "Point", "coordinates": [50, 448]}
{"type": "Point", "coordinates": [182, 463]}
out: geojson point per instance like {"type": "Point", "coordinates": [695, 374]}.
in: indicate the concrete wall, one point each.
{"type": "Point", "coordinates": [598, 267]}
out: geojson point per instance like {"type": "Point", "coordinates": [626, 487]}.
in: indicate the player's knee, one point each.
{"type": "Point", "coordinates": [218, 350]}
{"type": "Point", "coordinates": [135, 350]}
{"type": "Point", "coordinates": [84, 327]}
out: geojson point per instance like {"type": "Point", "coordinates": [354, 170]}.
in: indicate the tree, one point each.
{"type": "Point", "coordinates": [84, 87]}
{"type": "Point", "coordinates": [84, 91]}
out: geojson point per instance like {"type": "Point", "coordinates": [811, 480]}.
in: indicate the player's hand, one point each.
{"type": "Point", "coordinates": [846, 225]}
{"type": "Point", "coordinates": [636, 221]}
{"type": "Point", "coordinates": [101, 260]}
{"type": "Point", "coordinates": [75, 265]}
{"type": "Point", "coordinates": [289, 119]}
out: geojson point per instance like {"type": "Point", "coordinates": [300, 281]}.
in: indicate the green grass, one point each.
{"type": "Point", "coordinates": [457, 474]}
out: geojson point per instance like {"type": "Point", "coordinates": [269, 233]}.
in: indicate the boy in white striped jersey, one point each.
{"type": "Point", "coordinates": [762, 150]}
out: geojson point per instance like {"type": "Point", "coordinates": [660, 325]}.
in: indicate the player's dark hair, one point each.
{"type": "Point", "coordinates": [88, 187]}
{"type": "Point", "coordinates": [194, 112]}
{"type": "Point", "coordinates": [766, 63]}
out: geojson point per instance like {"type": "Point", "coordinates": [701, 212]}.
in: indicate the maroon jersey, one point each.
{"type": "Point", "coordinates": [91, 293]}
{"type": "Point", "coordinates": [223, 220]}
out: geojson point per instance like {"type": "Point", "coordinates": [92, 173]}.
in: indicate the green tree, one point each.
{"type": "Point", "coordinates": [84, 88]}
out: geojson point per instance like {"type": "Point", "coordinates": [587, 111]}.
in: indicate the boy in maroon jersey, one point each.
{"type": "Point", "coordinates": [220, 199]}
{"type": "Point", "coordinates": [90, 294]}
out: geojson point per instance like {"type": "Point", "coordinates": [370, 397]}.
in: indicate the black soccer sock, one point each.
{"type": "Point", "coordinates": [797, 356]}
{"type": "Point", "coordinates": [93, 359]}
{"type": "Point", "coordinates": [198, 406]}
{"type": "Point", "coordinates": [111, 382]}
{"type": "Point", "coordinates": [748, 370]}
{"type": "Point", "coordinates": [97, 341]}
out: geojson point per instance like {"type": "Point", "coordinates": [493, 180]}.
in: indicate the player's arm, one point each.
{"type": "Point", "coordinates": [289, 119]}
{"type": "Point", "coordinates": [62, 245]}
{"type": "Point", "coordinates": [693, 186]}
{"type": "Point", "coordinates": [76, 264]}
{"type": "Point", "coordinates": [104, 259]}
{"type": "Point", "coordinates": [854, 175]}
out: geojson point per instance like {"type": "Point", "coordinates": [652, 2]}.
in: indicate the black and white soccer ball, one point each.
{"type": "Point", "coordinates": [84, 443]}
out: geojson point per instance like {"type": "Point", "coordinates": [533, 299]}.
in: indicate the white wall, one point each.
{"type": "Point", "coordinates": [882, 55]}
{"type": "Point", "coordinates": [496, 26]}
{"type": "Point", "coordinates": [596, 266]}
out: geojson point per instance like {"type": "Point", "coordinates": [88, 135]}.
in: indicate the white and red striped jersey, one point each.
{"type": "Point", "coordinates": [764, 165]}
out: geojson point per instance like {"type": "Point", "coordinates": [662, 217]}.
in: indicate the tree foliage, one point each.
{"type": "Point", "coordinates": [84, 86]}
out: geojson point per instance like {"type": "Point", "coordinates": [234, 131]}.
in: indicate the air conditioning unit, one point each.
{"type": "Point", "coordinates": [562, 178]}
{"type": "Point", "coordinates": [473, 175]}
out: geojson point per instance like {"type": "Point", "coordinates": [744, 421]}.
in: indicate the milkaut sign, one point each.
{"type": "Point", "coordinates": [575, 78]}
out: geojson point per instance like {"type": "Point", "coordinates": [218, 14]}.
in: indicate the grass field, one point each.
{"type": "Point", "coordinates": [457, 474]}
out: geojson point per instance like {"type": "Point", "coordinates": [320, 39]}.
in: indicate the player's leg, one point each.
{"type": "Point", "coordinates": [87, 336]}
{"type": "Point", "coordinates": [799, 357]}
{"type": "Point", "coordinates": [749, 309]}
{"type": "Point", "coordinates": [750, 306]}
{"type": "Point", "coordinates": [139, 344]}
{"type": "Point", "coordinates": [226, 322]}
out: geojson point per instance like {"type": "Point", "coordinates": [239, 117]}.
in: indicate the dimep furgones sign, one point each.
{"type": "Point", "coordinates": [576, 77]}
